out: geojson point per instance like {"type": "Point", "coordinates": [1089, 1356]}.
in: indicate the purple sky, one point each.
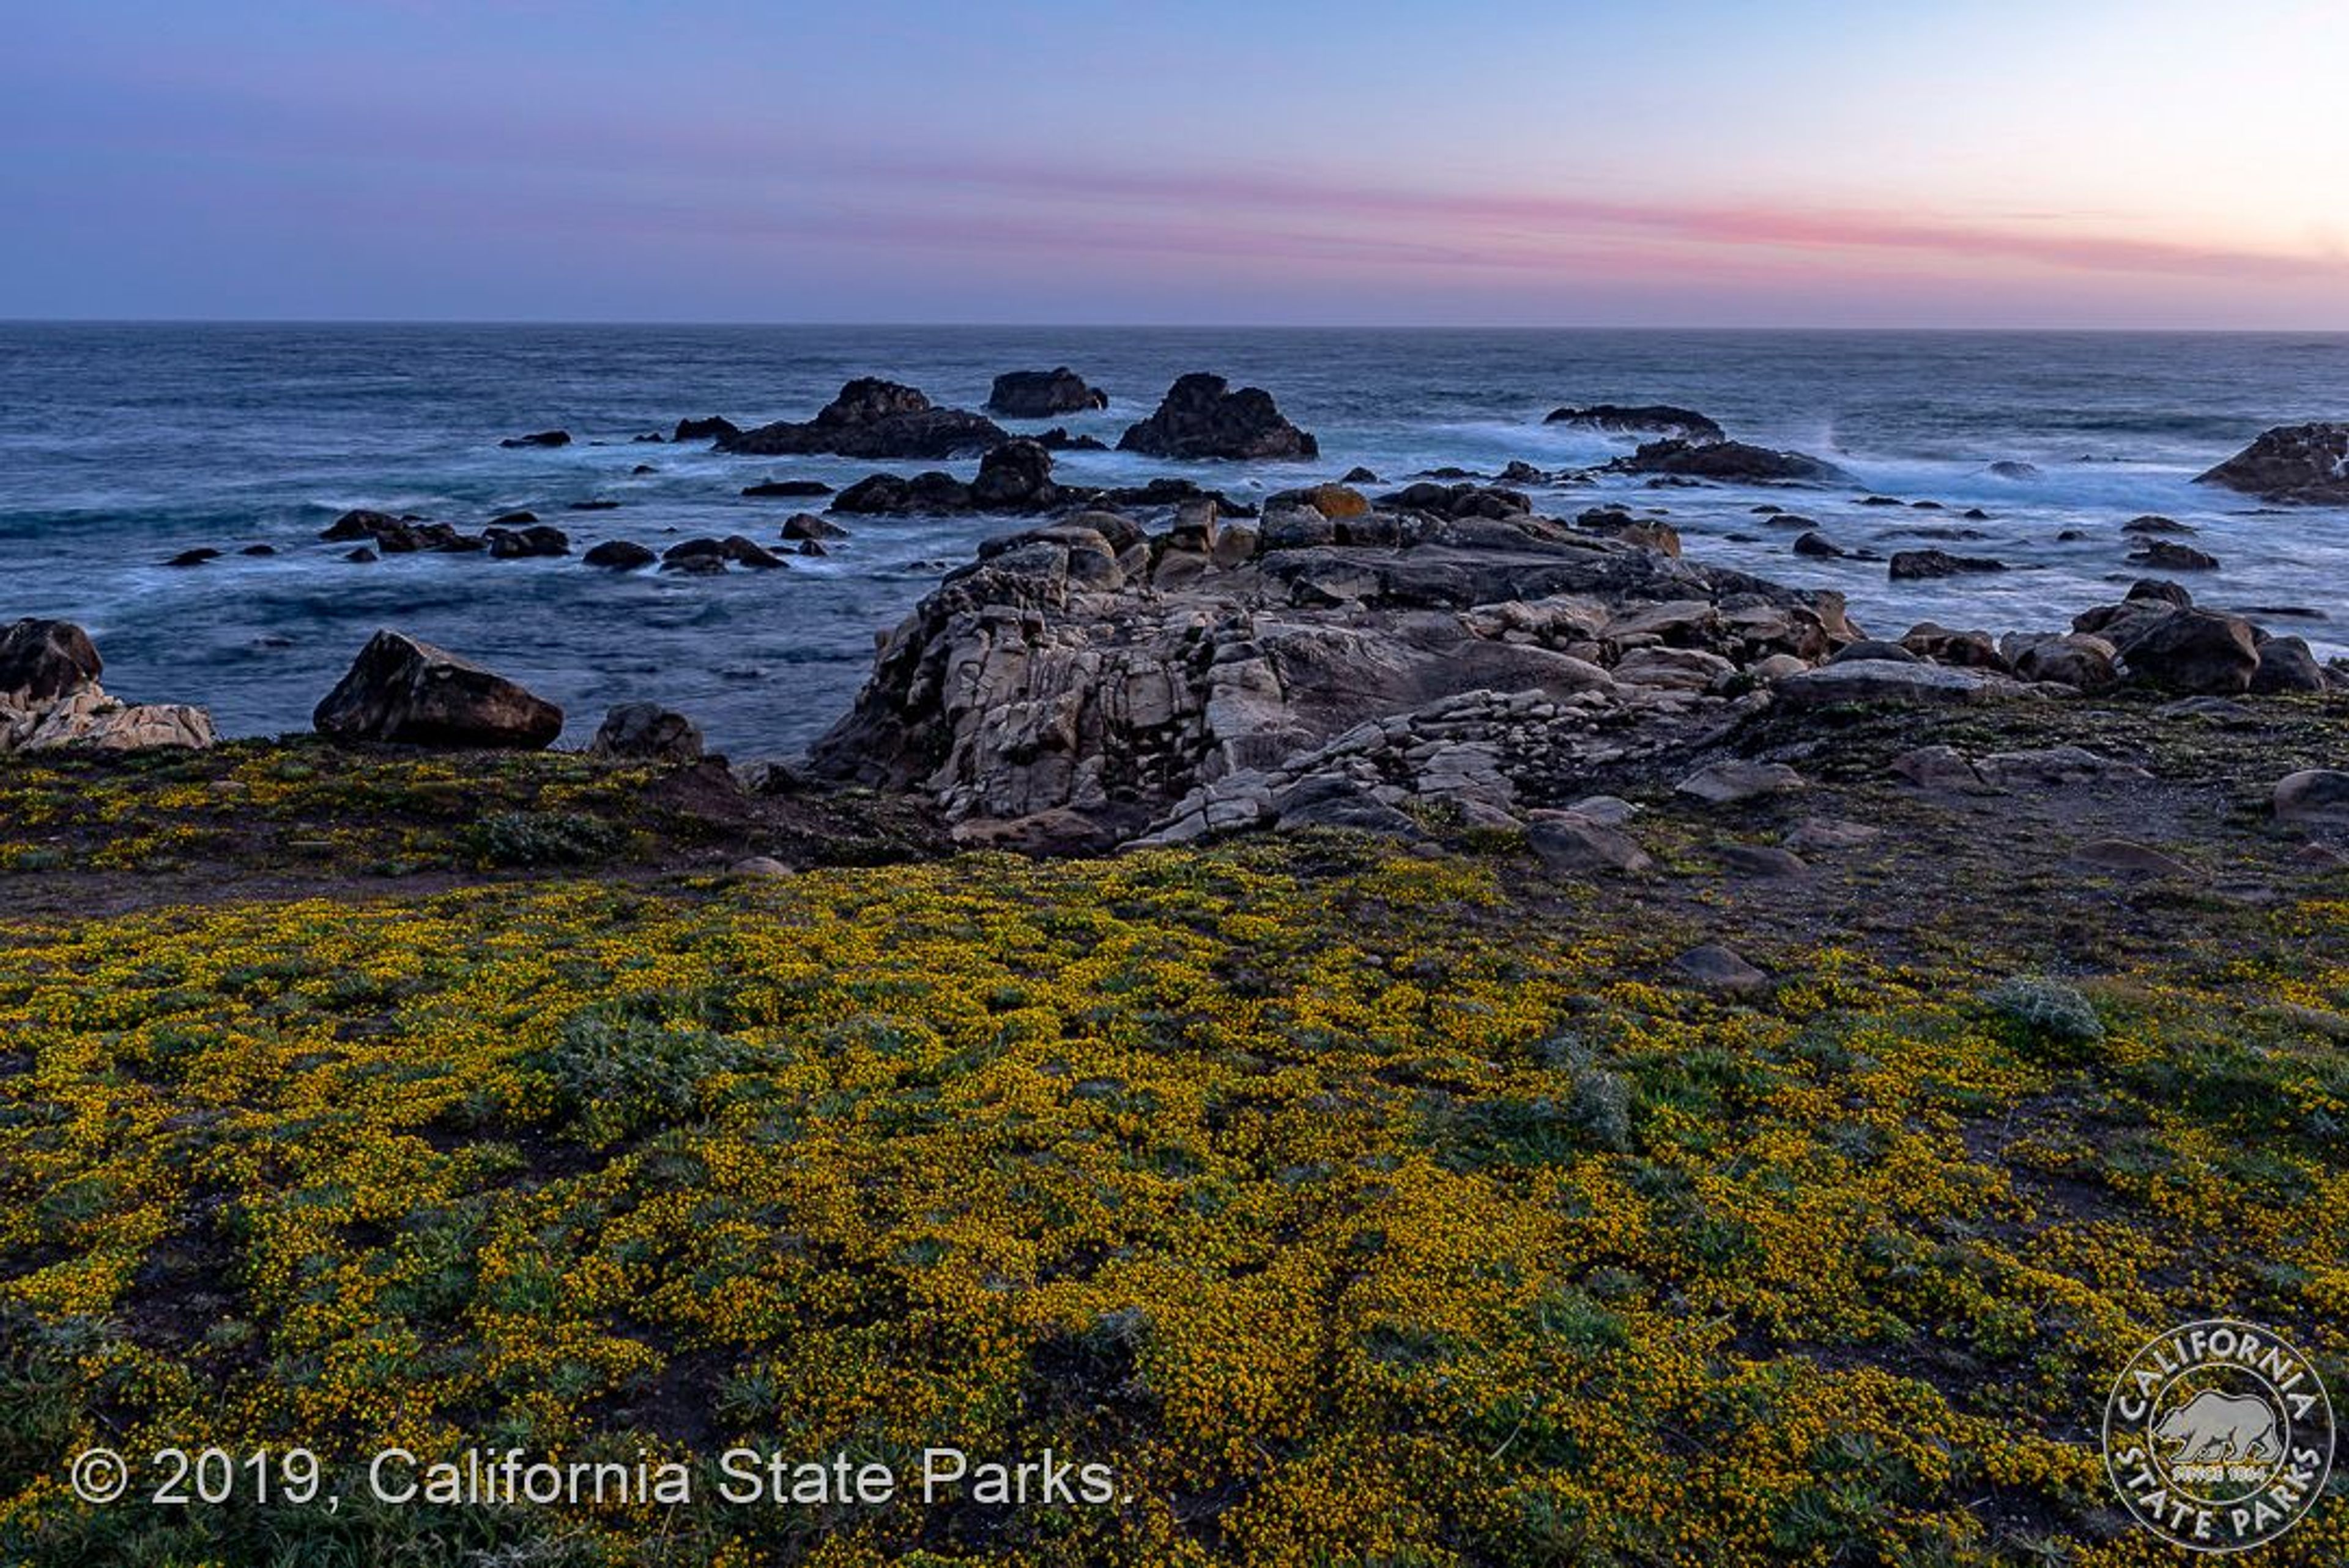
{"type": "Point", "coordinates": [2136, 162]}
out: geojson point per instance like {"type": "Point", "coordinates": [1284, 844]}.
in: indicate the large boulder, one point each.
{"type": "Point", "coordinates": [1201, 417]}
{"type": "Point", "coordinates": [41, 661]}
{"type": "Point", "coordinates": [1646, 418]}
{"type": "Point", "coordinates": [409, 692]}
{"type": "Point", "coordinates": [2305, 463]}
{"type": "Point", "coordinates": [1040, 393]}
{"type": "Point", "coordinates": [873, 419]}
{"type": "Point", "coordinates": [2196, 651]}
{"type": "Point", "coordinates": [1732, 462]}
{"type": "Point", "coordinates": [1014, 477]}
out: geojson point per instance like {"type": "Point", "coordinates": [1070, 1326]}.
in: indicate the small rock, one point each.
{"type": "Point", "coordinates": [1816, 833]}
{"type": "Point", "coordinates": [1918, 565]}
{"type": "Point", "coordinates": [619, 555]}
{"type": "Point", "coordinates": [2128, 858]}
{"type": "Point", "coordinates": [2315, 797]}
{"type": "Point", "coordinates": [2173, 557]}
{"type": "Point", "coordinates": [543, 438]}
{"type": "Point", "coordinates": [1568, 841]}
{"type": "Point", "coordinates": [648, 730]}
{"type": "Point", "coordinates": [1938, 767]}
{"type": "Point", "coordinates": [1716, 968]}
{"type": "Point", "coordinates": [193, 557]}
{"type": "Point", "coordinates": [1760, 861]}
{"type": "Point", "coordinates": [764, 867]}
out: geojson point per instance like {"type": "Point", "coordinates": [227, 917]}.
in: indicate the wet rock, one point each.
{"type": "Point", "coordinates": [196, 557]}
{"type": "Point", "coordinates": [2171, 556]}
{"type": "Point", "coordinates": [1014, 477]}
{"type": "Point", "coordinates": [647, 731]}
{"type": "Point", "coordinates": [2015, 468]}
{"type": "Point", "coordinates": [696, 557]}
{"type": "Point", "coordinates": [1816, 546]}
{"type": "Point", "coordinates": [360, 557]}
{"type": "Point", "coordinates": [539, 540]}
{"type": "Point", "coordinates": [1921, 565]}
{"type": "Point", "coordinates": [1358, 475]}
{"type": "Point", "coordinates": [712, 428]}
{"type": "Point", "coordinates": [1057, 439]}
{"type": "Point", "coordinates": [1202, 417]}
{"type": "Point", "coordinates": [2152, 525]}
{"type": "Point", "coordinates": [619, 555]}
{"type": "Point", "coordinates": [543, 438]}
{"type": "Point", "coordinates": [2295, 463]}
{"type": "Point", "coordinates": [1649, 418]}
{"type": "Point", "coordinates": [1040, 393]}
{"type": "Point", "coordinates": [2078, 660]}
{"type": "Point", "coordinates": [1734, 462]}
{"type": "Point", "coordinates": [405, 691]}
{"type": "Point", "coordinates": [597, 505]}
{"type": "Point", "coordinates": [790, 487]}
{"type": "Point", "coordinates": [259, 549]}
{"type": "Point", "coordinates": [808, 526]}
{"type": "Point", "coordinates": [873, 419]}
{"type": "Point", "coordinates": [1460, 500]}
{"type": "Point", "coordinates": [749, 553]}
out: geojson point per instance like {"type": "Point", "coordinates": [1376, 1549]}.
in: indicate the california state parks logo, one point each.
{"type": "Point", "coordinates": [2219, 1435]}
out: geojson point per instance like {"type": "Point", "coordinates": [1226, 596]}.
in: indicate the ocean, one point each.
{"type": "Point", "coordinates": [121, 445]}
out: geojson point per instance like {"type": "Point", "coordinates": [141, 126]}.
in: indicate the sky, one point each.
{"type": "Point", "coordinates": [2062, 163]}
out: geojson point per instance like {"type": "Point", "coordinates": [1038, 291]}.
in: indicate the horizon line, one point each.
{"type": "Point", "coordinates": [967, 326]}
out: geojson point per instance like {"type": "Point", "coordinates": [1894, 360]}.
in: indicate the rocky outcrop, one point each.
{"type": "Point", "coordinates": [1646, 418]}
{"type": "Point", "coordinates": [1925, 565]}
{"type": "Point", "coordinates": [540, 438]}
{"type": "Point", "coordinates": [713, 429]}
{"type": "Point", "coordinates": [1042, 394]}
{"type": "Point", "coordinates": [873, 419]}
{"type": "Point", "coordinates": [403, 535]}
{"type": "Point", "coordinates": [1091, 666]}
{"type": "Point", "coordinates": [50, 699]}
{"type": "Point", "coordinates": [409, 692]}
{"type": "Point", "coordinates": [1014, 478]}
{"type": "Point", "coordinates": [1727, 462]}
{"type": "Point", "coordinates": [2293, 463]}
{"type": "Point", "coordinates": [41, 661]}
{"type": "Point", "coordinates": [1201, 417]}
{"type": "Point", "coordinates": [619, 555]}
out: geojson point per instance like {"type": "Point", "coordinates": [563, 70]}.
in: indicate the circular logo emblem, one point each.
{"type": "Point", "coordinates": [2219, 1435]}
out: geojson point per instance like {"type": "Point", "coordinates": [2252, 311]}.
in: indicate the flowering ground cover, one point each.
{"type": "Point", "coordinates": [1353, 1204]}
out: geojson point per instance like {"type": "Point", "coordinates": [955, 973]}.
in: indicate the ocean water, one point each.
{"type": "Point", "coordinates": [123, 445]}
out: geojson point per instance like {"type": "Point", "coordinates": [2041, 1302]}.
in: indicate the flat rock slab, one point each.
{"type": "Point", "coordinates": [1567, 841]}
{"type": "Point", "coordinates": [1727, 783]}
{"type": "Point", "coordinates": [2129, 859]}
{"type": "Point", "coordinates": [1760, 861]}
{"type": "Point", "coordinates": [1891, 682]}
{"type": "Point", "coordinates": [1715, 968]}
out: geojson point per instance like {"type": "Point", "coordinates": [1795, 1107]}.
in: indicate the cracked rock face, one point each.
{"type": "Point", "coordinates": [1209, 678]}
{"type": "Point", "coordinates": [50, 698]}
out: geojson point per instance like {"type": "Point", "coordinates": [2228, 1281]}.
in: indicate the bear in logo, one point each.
{"type": "Point", "coordinates": [2218, 1428]}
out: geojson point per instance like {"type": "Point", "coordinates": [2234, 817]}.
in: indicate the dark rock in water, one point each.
{"type": "Point", "coordinates": [749, 553]}
{"type": "Point", "coordinates": [1918, 565]}
{"type": "Point", "coordinates": [806, 525]}
{"type": "Point", "coordinates": [43, 660]}
{"type": "Point", "coordinates": [1925, 506]}
{"type": "Point", "coordinates": [2151, 523]}
{"type": "Point", "coordinates": [1817, 546]}
{"type": "Point", "coordinates": [2195, 651]}
{"type": "Point", "coordinates": [619, 555]}
{"type": "Point", "coordinates": [2173, 557]}
{"type": "Point", "coordinates": [594, 506]}
{"type": "Point", "coordinates": [1728, 461]}
{"type": "Point", "coordinates": [2070, 536]}
{"type": "Point", "coordinates": [1517, 471]}
{"type": "Point", "coordinates": [1040, 393]}
{"type": "Point", "coordinates": [411, 693]}
{"type": "Point", "coordinates": [2155, 590]}
{"type": "Point", "coordinates": [810, 547]}
{"type": "Point", "coordinates": [1358, 475]}
{"type": "Point", "coordinates": [2296, 463]}
{"type": "Point", "coordinates": [874, 419]}
{"type": "Point", "coordinates": [1460, 500]}
{"type": "Point", "coordinates": [1202, 417]}
{"type": "Point", "coordinates": [1881, 501]}
{"type": "Point", "coordinates": [1649, 418]}
{"type": "Point", "coordinates": [543, 438]}
{"type": "Point", "coordinates": [196, 557]}
{"type": "Point", "coordinates": [788, 488]}
{"type": "Point", "coordinates": [1767, 509]}
{"type": "Point", "coordinates": [648, 731]}
{"type": "Point", "coordinates": [1057, 439]}
{"type": "Point", "coordinates": [1014, 477]}
{"type": "Point", "coordinates": [1958, 650]}
{"type": "Point", "coordinates": [937, 494]}
{"type": "Point", "coordinates": [362, 555]}
{"type": "Point", "coordinates": [358, 524]}
{"type": "Point", "coordinates": [712, 428]}
{"type": "Point", "coordinates": [1975, 514]}
{"type": "Point", "coordinates": [2015, 468]}
{"type": "Point", "coordinates": [2287, 665]}
{"type": "Point", "coordinates": [514, 520]}
{"type": "Point", "coordinates": [648, 437]}
{"type": "Point", "coordinates": [518, 545]}
{"type": "Point", "coordinates": [695, 556]}
{"type": "Point", "coordinates": [643, 468]}
{"type": "Point", "coordinates": [1171, 492]}
{"type": "Point", "coordinates": [258, 549]}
